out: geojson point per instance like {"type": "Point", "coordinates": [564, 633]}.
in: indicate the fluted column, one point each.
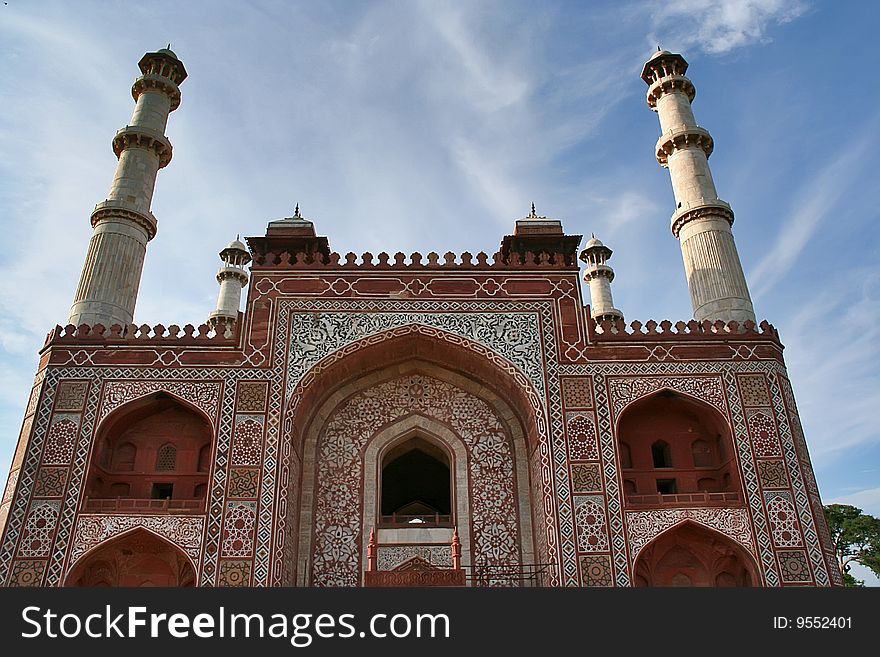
{"type": "Point", "coordinates": [123, 223]}
{"type": "Point", "coordinates": [701, 222]}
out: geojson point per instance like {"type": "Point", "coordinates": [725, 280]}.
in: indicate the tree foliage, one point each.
{"type": "Point", "coordinates": [856, 538]}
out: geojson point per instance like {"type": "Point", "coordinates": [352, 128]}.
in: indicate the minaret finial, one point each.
{"type": "Point", "coordinates": [296, 214]}
{"type": "Point", "coordinates": [658, 47]}
{"type": "Point", "coordinates": [534, 214]}
{"type": "Point", "coordinates": [169, 45]}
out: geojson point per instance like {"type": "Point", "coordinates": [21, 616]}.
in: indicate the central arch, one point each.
{"type": "Point", "coordinates": [405, 351]}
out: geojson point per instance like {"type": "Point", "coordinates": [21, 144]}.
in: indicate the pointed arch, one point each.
{"type": "Point", "coordinates": [692, 554]}
{"type": "Point", "coordinates": [681, 451]}
{"type": "Point", "coordinates": [151, 444]}
{"type": "Point", "coordinates": [137, 557]}
{"type": "Point", "coordinates": [449, 356]}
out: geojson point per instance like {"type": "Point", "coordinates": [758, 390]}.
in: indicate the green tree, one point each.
{"type": "Point", "coordinates": [856, 538]}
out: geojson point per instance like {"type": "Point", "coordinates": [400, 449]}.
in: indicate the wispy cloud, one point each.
{"type": "Point", "coordinates": [718, 26]}
{"type": "Point", "coordinates": [867, 500]}
{"type": "Point", "coordinates": [813, 205]}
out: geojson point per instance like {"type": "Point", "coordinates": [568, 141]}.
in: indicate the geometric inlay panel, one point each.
{"type": "Point", "coordinates": [235, 573]}
{"type": "Point", "coordinates": [50, 482]}
{"type": "Point", "coordinates": [586, 478]}
{"type": "Point", "coordinates": [753, 389]}
{"type": "Point", "coordinates": [772, 474]}
{"type": "Point", "coordinates": [590, 517]}
{"type": "Point", "coordinates": [596, 570]}
{"type": "Point", "coordinates": [576, 392]}
{"type": "Point", "coordinates": [243, 482]}
{"type": "Point", "coordinates": [38, 529]}
{"type": "Point", "coordinates": [247, 440]}
{"type": "Point", "coordinates": [63, 433]}
{"type": "Point", "coordinates": [783, 520]}
{"type": "Point", "coordinates": [252, 396]}
{"type": "Point", "coordinates": [238, 526]}
{"type": "Point", "coordinates": [794, 567]}
{"type": "Point", "coordinates": [581, 431]}
{"type": "Point", "coordinates": [762, 430]}
{"type": "Point", "coordinates": [27, 572]}
{"type": "Point", "coordinates": [71, 395]}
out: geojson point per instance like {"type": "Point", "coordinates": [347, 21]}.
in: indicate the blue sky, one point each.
{"type": "Point", "coordinates": [419, 126]}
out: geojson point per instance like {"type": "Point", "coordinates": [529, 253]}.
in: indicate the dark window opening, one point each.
{"type": "Point", "coordinates": [667, 487]}
{"type": "Point", "coordinates": [661, 454]}
{"type": "Point", "coordinates": [205, 458]}
{"type": "Point", "coordinates": [162, 491]}
{"type": "Point", "coordinates": [123, 457]}
{"type": "Point", "coordinates": [416, 483]}
{"type": "Point", "coordinates": [702, 453]}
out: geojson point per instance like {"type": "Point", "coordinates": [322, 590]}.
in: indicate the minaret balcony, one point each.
{"type": "Point", "coordinates": [670, 84]}
{"type": "Point", "coordinates": [681, 137]}
{"type": "Point", "coordinates": [133, 136]}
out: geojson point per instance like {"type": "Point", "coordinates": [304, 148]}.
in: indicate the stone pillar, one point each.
{"type": "Point", "coordinates": [123, 223]}
{"type": "Point", "coordinates": [232, 277]}
{"type": "Point", "coordinates": [701, 222]}
{"type": "Point", "coordinates": [599, 276]}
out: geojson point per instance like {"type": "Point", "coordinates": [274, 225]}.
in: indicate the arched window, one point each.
{"type": "Point", "coordinates": [123, 457]}
{"type": "Point", "coordinates": [661, 454]}
{"type": "Point", "coordinates": [150, 449]}
{"type": "Point", "coordinates": [205, 458]}
{"type": "Point", "coordinates": [702, 453]}
{"type": "Point", "coordinates": [166, 458]}
{"type": "Point", "coordinates": [416, 485]}
{"type": "Point", "coordinates": [676, 448]}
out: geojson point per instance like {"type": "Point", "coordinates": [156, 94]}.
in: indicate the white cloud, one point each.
{"type": "Point", "coordinates": [867, 500]}
{"type": "Point", "coordinates": [718, 26]}
{"type": "Point", "coordinates": [812, 205]}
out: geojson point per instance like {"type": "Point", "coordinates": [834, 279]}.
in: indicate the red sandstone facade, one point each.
{"type": "Point", "coordinates": [578, 455]}
{"type": "Point", "coordinates": [392, 420]}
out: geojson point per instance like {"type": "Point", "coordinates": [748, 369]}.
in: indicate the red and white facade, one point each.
{"type": "Point", "coordinates": [260, 454]}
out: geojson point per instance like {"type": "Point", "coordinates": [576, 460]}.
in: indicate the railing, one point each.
{"type": "Point", "coordinates": [679, 499]}
{"type": "Point", "coordinates": [509, 575]}
{"type": "Point", "coordinates": [425, 520]}
{"type": "Point", "coordinates": [127, 505]}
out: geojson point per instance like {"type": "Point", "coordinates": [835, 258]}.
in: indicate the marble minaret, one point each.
{"type": "Point", "coordinates": [701, 222]}
{"type": "Point", "coordinates": [232, 277]}
{"type": "Point", "coordinates": [123, 223]}
{"type": "Point", "coordinates": [598, 276]}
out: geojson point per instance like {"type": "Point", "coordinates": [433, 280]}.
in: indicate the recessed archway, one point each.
{"type": "Point", "coordinates": [151, 454]}
{"type": "Point", "coordinates": [690, 554]}
{"type": "Point", "coordinates": [409, 348]}
{"type": "Point", "coordinates": [137, 558]}
{"type": "Point", "coordinates": [674, 449]}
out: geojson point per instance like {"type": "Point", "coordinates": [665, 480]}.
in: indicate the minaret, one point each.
{"type": "Point", "coordinates": [701, 222]}
{"type": "Point", "coordinates": [123, 223]}
{"type": "Point", "coordinates": [232, 277]}
{"type": "Point", "coordinates": [599, 275]}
